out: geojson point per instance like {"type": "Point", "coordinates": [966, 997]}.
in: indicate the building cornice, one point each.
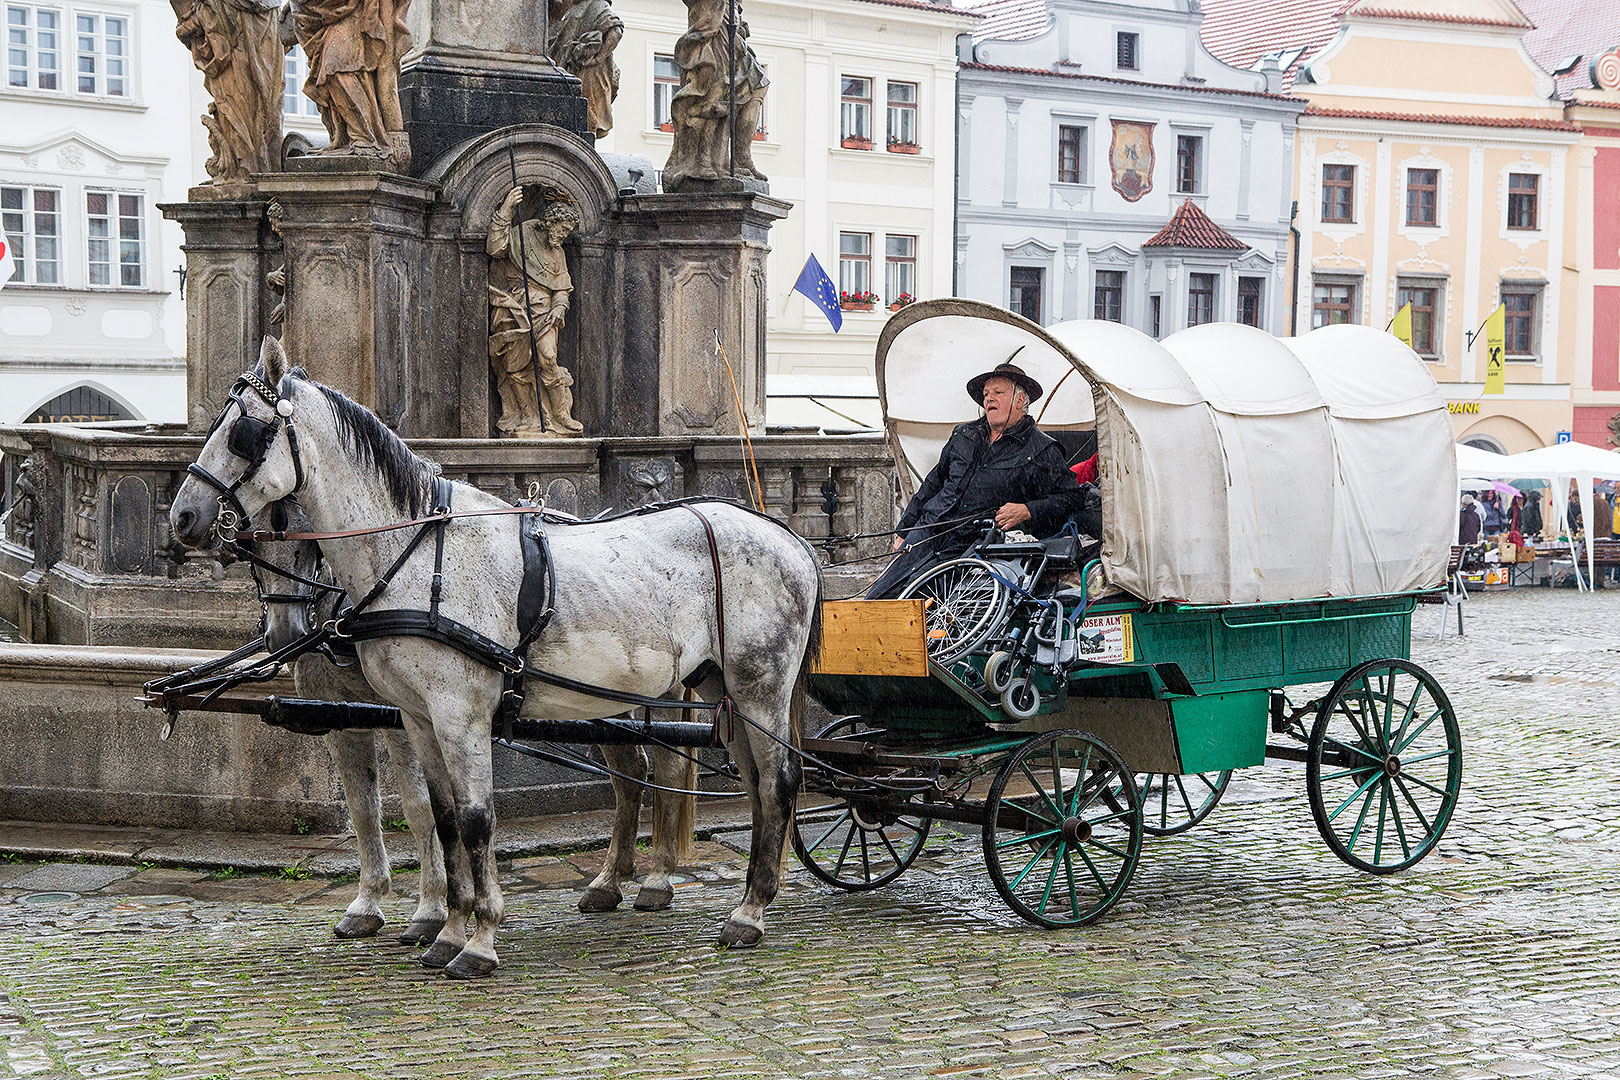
{"type": "Point", "coordinates": [1155, 91]}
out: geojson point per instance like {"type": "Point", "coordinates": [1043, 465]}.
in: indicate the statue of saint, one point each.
{"type": "Point", "coordinates": [529, 290]}
{"type": "Point", "coordinates": [236, 44]}
{"type": "Point", "coordinates": [354, 49]}
{"type": "Point", "coordinates": [701, 111]}
{"type": "Point", "coordinates": [584, 34]}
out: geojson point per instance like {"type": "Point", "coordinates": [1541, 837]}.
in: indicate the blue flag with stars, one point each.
{"type": "Point", "coordinates": [815, 284]}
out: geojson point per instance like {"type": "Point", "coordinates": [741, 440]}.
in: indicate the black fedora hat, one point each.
{"type": "Point", "coordinates": [1007, 370]}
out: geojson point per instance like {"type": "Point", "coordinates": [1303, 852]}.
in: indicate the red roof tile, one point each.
{"type": "Point", "coordinates": [1532, 122]}
{"type": "Point", "coordinates": [971, 66]}
{"type": "Point", "coordinates": [1565, 29]}
{"type": "Point", "coordinates": [1437, 17]}
{"type": "Point", "coordinates": [1190, 227]}
{"type": "Point", "coordinates": [1010, 20]}
{"type": "Point", "coordinates": [926, 5]}
{"type": "Point", "coordinates": [1240, 32]}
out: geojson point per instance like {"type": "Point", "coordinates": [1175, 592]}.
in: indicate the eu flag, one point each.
{"type": "Point", "coordinates": [815, 284]}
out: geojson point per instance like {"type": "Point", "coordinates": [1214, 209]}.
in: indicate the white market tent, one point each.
{"type": "Point", "coordinates": [1558, 464]}
{"type": "Point", "coordinates": [1235, 468]}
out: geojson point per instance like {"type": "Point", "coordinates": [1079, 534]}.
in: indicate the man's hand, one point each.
{"type": "Point", "coordinates": [899, 542]}
{"type": "Point", "coordinates": [1011, 515]}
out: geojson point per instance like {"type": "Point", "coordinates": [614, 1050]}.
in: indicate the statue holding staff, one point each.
{"type": "Point", "coordinates": [715, 98]}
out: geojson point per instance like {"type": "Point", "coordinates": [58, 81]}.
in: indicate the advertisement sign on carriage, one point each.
{"type": "Point", "coordinates": [1107, 639]}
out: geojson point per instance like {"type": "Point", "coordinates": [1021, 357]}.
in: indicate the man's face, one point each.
{"type": "Point", "coordinates": [1003, 406]}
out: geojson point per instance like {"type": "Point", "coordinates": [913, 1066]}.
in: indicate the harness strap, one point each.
{"type": "Point", "coordinates": [724, 705]}
{"type": "Point", "coordinates": [441, 497]}
{"type": "Point", "coordinates": [436, 590]}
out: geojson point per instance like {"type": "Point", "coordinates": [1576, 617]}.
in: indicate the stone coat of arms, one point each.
{"type": "Point", "coordinates": [1130, 158]}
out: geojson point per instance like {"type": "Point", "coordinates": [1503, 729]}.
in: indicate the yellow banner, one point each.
{"type": "Point", "coordinates": [1495, 339]}
{"type": "Point", "coordinates": [1402, 325]}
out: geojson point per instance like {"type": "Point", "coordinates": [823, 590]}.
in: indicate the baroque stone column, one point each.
{"type": "Point", "coordinates": [353, 239]}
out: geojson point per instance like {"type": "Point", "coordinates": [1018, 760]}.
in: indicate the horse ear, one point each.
{"type": "Point", "coordinates": [274, 359]}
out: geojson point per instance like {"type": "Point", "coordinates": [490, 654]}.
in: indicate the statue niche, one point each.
{"type": "Point", "coordinates": [354, 49]}
{"type": "Point", "coordinates": [584, 34]}
{"type": "Point", "coordinates": [702, 109]}
{"type": "Point", "coordinates": [529, 294]}
{"type": "Point", "coordinates": [237, 45]}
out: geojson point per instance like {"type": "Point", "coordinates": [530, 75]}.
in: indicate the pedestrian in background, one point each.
{"type": "Point", "coordinates": [1491, 504]}
{"type": "Point", "coordinates": [1469, 522]}
{"type": "Point", "coordinates": [1572, 512]}
{"type": "Point", "coordinates": [1530, 524]}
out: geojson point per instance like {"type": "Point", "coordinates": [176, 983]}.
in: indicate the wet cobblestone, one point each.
{"type": "Point", "coordinates": [1244, 948]}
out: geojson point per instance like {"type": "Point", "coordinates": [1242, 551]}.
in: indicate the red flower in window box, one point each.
{"type": "Point", "coordinates": [857, 301]}
{"type": "Point", "coordinates": [905, 299]}
{"type": "Point", "coordinates": [856, 142]}
{"type": "Point", "coordinates": [899, 146]}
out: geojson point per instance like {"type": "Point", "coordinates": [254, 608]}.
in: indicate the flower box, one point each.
{"type": "Point", "coordinates": [903, 300]}
{"type": "Point", "coordinates": [854, 142]}
{"type": "Point", "coordinates": [904, 148]}
{"type": "Point", "coordinates": [852, 305]}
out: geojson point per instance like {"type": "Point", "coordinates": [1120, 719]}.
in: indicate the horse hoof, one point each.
{"type": "Point", "coordinates": [654, 899]}
{"type": "Point", "coordinates": [739, 935]}
{"type": "Point", "coordinates": [468, 965]}
{"type": "Point", "coordinates": [439, 954]}
{"type": "Point", "coordinates": [358, 926]}
{"type": "Point", "coordinates": [597, 900]}
{"type": "Point", "coordinates": [421, 931]}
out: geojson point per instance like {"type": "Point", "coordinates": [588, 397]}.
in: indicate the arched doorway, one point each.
{"type": "Point", "coordinates": [80, 405]}
{"type": "Point", "coordinates": [1485, 442]}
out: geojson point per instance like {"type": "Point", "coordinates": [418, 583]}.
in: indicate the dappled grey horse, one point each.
{"type": "Point", "coordinates": [714, 595]}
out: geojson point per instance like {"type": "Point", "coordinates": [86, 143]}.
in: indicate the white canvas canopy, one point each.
{"type": "Point", "coordinates": [1235, 468]}
{"type": "Point", "coordinates": [1558, 464]}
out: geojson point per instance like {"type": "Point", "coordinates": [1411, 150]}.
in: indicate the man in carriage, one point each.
{"type": "Point", "coordinates": [999, 466]}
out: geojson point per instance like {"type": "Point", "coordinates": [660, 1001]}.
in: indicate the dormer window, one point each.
{"type": "Point", "coordinates": [1125, 50]}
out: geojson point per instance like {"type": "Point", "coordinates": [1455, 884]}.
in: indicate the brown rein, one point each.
{"type": "Point", "coordinates": [276, 535]}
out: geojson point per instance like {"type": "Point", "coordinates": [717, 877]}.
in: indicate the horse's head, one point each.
{"type": "Point", "coordinates": [250, 458]}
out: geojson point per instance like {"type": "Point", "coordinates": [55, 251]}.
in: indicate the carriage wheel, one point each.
{"type": "Point", "coordinates": [1173, 803]}
{"type": "Point", "coordinates": [965, 603]}
{"type": "Point", "coordinates": [1384, 765]}
{"type": "Point", "coordinates": [1058, 853]}
{"type": "Point", "coordinates": [860, 846]}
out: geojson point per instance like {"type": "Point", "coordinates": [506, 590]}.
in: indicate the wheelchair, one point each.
{"type": "Point", "coordinates": [1011, 603]}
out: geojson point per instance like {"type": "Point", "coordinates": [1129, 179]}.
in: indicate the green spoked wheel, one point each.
{"type": "Point", "coordinates": [1173, 803]}
{"type": "Point", "coordinates": [857, 844]}
{"type": "Point", "coordinates": [1058, 850]}
{"type": "Point", "coordinates": [1384, 765]}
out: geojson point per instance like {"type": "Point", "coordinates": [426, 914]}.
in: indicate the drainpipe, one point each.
{"type": "Point", "coordinates": [1293, 300]}
{"type": "Point", "coordinates": [964, 44]}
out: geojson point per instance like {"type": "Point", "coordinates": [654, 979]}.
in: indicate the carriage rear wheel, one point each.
{"type": "Point", "coordinates": [1173, 803]}
{"type": "Point", "coordinates": [1384, 765]}
{"type": "Point", "coordinates": [965, 601]}
{"type": "Point", "coordinates": [1058, 852]}
{"type": "Point", "coordinates": [856, 844]}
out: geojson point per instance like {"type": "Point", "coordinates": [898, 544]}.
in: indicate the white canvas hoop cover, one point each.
{"type": "Point", "coordinates": [1236, 468]}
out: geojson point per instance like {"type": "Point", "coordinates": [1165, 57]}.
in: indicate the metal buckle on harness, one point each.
{"type": "Point", "coordinates": [226, 522]}
{"type": "Point", "coordinates": [331, 627]}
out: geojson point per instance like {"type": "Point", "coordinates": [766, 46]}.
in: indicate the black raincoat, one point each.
{"type": "Point", "coordinates": [976, 477]}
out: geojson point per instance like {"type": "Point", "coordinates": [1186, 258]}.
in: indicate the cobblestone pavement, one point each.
{"type": "Point", "coordinates": [1244, 948]}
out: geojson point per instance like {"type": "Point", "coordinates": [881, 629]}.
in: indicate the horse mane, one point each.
{"type": "Point", "coordinates": [409, 478]}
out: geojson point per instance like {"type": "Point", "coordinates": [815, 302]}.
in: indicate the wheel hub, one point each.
{"type": "Point", "coordinates": [1392, 765]}
{"type": "Point", "coordinates": [865, 817]}
{"type": "Point", "coordinates": [1076, 830]}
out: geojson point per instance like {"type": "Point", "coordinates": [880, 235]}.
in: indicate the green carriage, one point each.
{"type": "Point", "coordinates": [1069, 698]}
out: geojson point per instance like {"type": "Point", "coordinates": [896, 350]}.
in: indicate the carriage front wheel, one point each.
{"type": "Point", "coordinates": [1384, 765]}
{"type": "Point", "coordinates": [1062, 829]}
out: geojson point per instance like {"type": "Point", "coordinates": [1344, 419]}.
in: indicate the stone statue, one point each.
{"type": "Point", "coordinates": [584, 34]}
{"type": "Point", "coordinates": [1614, 429]}
{"type": "Point", "coordinates": [237, 46]}
{"type": "Point", "coordinates": [354, 49]}
{"type": "Point", "coordinates": [702, 106]}
{"type": "Point", "coordinates": [529, 291]}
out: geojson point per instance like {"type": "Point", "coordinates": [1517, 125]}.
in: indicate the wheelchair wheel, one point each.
{"type": "Point", "coordinates": [964, 604]}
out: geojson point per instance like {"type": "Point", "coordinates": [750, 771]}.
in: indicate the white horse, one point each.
{"type": "Point", "coordinates": [641, 604]}
{"type": "Point", "coordinates": [293, 609]}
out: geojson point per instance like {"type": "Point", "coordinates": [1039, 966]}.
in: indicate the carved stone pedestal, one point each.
{"type": "Point", "coordinates": [227, 255]}
{"type": "Point", "coordinates": [355, 304]}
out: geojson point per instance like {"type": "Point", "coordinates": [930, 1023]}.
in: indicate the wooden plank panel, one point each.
{"type": "Point", "coordinates": [873, 637]}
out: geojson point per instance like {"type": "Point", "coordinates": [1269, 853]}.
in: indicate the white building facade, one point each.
{"type": "Point", "coordinates": [858, 135]}
{"type": "Point", "coordinates": [1113, 168]}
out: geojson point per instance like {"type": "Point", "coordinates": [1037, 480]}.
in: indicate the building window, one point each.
{"type": "Point", "coordinates": [1125, 49]}
{"type": "Point", "coordinates": [1338, 193]}
{"type": "Point", "coordinates": [1110, 295]}
{"type": "Point", "coordinates": [1155, 315]}
{"type": "Point", "coordinates": [1333, 302]}
{"type": "Point", "coordinates": [854, 264]}
{"type": "Point", "coordinates": [855, 113]}
{"type": "Point", "coordinates": [666, 80]}
{"type": "Point", "coordinates": [33, 48]}
{"type": "Point", "coordinates": [1522, 191]}
{"type": "Point", "coordinates": [102, 54]}
{"type": "Point", "coordinates": [1024, 287]}
{"type": "Point", "coordinates": [1189, 164]}
{"type": "Point", "coordinates": [900, 269]}
{"type": "Point", "coordinates": [1251, 306]}
{"type": "Point", "coordinates": [1422, 193]}
{"type": "Point", "coordinates": [116, 235]}
{"type": "Point", "coordinates": [1071, 155]}
{"type": "Point", "coordinates": [902, 115]}
{"type": "Point", "coordinates": [1425, 301]}
{"type": "Point", "coordinates": [1200, 299]}
{"type": "Point", "coordinates": [294, 70]}
{"type": "Point", "coordinates": [31, 219]}
{"type": "Point", "coordinates": [1523, 323]}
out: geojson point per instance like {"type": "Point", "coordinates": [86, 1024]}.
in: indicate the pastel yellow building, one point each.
{"type": "Point", "coordinates": [1433, 165]}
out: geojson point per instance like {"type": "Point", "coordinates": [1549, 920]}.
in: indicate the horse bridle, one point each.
{"type": "Point", "coordinates": [250, 439]}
